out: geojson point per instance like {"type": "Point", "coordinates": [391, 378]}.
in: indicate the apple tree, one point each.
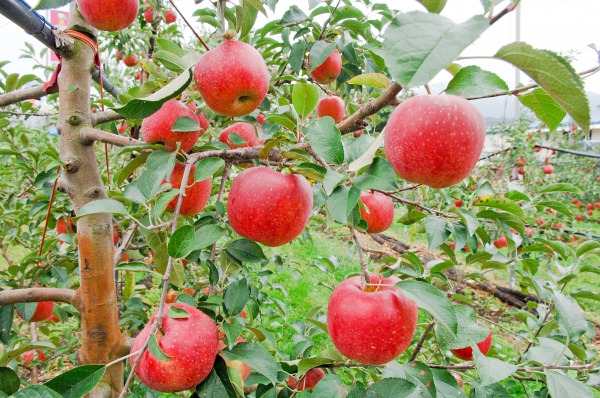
{"type": "Point", "coordinates": [309, 121]}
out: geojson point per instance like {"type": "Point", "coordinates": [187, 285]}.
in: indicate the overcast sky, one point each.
{"type": "Point", "coordinates": [558, 25]}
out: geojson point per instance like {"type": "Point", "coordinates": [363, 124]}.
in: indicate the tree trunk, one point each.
{"type": "Point", "coordinates": [102, 340]}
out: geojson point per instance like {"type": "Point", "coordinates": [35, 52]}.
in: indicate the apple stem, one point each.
{"type": "Point", "coordinates": [365, 278]}
{"type": "Point", "coordinates": [166, 277]}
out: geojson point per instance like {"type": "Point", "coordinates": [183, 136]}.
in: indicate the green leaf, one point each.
{"type": "Point", "coordinates": [250, 10]}
{"type": "Point", "coordinates": [326, 140]}
{"type": "Point", "coordinates": [511, 220]}
{"type": "Point", "coordinates": [435, 6]}
{"type": "Point", "coordinates": [207, 235]}
{"type": "Point", "coordinates": [144, 107]}
{"type": "Point", "coordinates": [9, 381]}
{"type": "Point", "coordinates": [78, 381]}
{"type": "Point", "coordinates": [570, 316]}
{"type": "Point", "coordinates": [332, 180]}
{"type": "Point", "coordinates": [551, 74]}
{"type": "Point", "coordinates": [502, 204]}
{"type": "Point", "coordinates": [178, 313]}
{"type": "Point", "coordinates": [236, 296]}
{"type": "Point", "coordinates": [330, 386]}
{"type": "Point", "coordinates": [170, 46]}
{"type": "Point", "coordinates": [155, 349]}
{"type": "Point", "coordinates": [561, 187]}
{"type": "Point", "coordinates": [297, 55]}
{"type": "Point", "coordinates": [544, 107]}
{"type": "Point", "coordinates": [319, 52]}
{"type": "Point", "coordinates": [492, 391]}
{"type": "Point", "coordinates": [305, 97]}
{"type": "Point", "coordinates": [7, 314]}
{"type": "Point", "coordinates": [48, 4]}
{"type": "Point", "coordinates": [469, 331]}
{"type": "Point", "coordinates": [135, 267]}
{"type": "Point", "coordinates": [307, 364]}
{"type": "Point", "coordinates": [185, 124]}
{"type": "Point", "coordinates": [171, 61]}
{"type": "Point", "coordinates": [563, 386]}
{"type": "Point", "coordinates": [293, 16]}
{"type": "Point", "coordinates": [23, 348]}
{"type": "Point", "coordinates": [558, 206]}
{"type": "Point", "coordinates": [418, 45]}
{"type": "Point", "coordinates": [26, 310]}
{"type": "Point", "coordinates": [583, 248]}
{"type": "Point", "coordinates": [36, 391]}
{"type": "Point", "coordinates": [491, 370]}
{"type": "Point", "coordinates": [419, 374]}
{"type": "Point", "coordinates": [207, 168]}
{"type": "Point", "coordinates": [379, 175]}
{"type": "Point", "coordinates": [101, 206]}
{"type": "Point", "coordinates": [367, 158]}
{"type": "Point", "coordinates": [474, 82]}
{"type": "Point", "coordinates": [182, 242]}
{"type": "Point", "coordinates": [217, 384]}
{"type": "Point", "coordinates": [341, 202]}
{"type": "Point", "coordinates": [437, 233]}
{"type": "Point", "coordinates": [257, 357]}
{"type": "Point", "coordinates": [376, 80]}
{"type": "Point", "coordinates": [311, 170]}
{"type": "Point", "coordinates": [431, 300]}
{"type": "Point", "coordinates": [394, 387]}
{"type": "Point", "coordinates": [232, 331]}
{"type": "Point", "coordinates": [246, 250]}
{"type": "Point", "coordinates": [446, 385]}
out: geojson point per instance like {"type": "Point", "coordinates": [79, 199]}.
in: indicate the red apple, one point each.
{"type": "Point", "coordinates": [196, 195]}
{"type": "Point", "coordinates": [539, 221]}
{"type": "Point", "coordinates": [170, 17]}
{"type": "Point", "coordinates": [33, 355]}
{"type": "Point", "coordinates": [371, 326]}
{"type": "Point", "coordinates": [171, 296]}
{"type": "Point", "coordinates": [579, 217]}
{"type": "Point", "coordinates": [245, 130]}
{"type": "Point", "coordinates": [232, 78]}
{"type": "Point", "coordinates": [122, 128]}
{"type": "Point", "coordinates": [189, 290]}
{"type": "Point", "coordinates": [467, 352]}
{"type": "Point", "coordinates": [54, 319]}
{"type": "Point", "coordinates": [333, 107]}
{"type": "Point", "coordinates": [358, 133]}
{"type": "Point", "coordinates": [239, 365]}
{"type": "Point", "coordinates": [434, 140]}
{"type": "Point", "coordinates": [521, 171]}
{"type": "Point", "coordinates": [308, 381]}
{"type": "Point", "coordinates": [548, 169]}
{"type": "Point", "coordinates": [329, 70]}
{"type": "Point", "coordinates": [557, 225]}
{"type": "Point", "coordinates": [378, 211]}
{"type": "Point", "coordinates": [597, 205]}
{"type": "Point", "coordinates": [158, 127]}
{"type": "Point", "coordinates": [62, 226]}
{"type": "Point", "coordinates": [43, 311]}
{"type": "Point", "coordinates": [149, 15]}
{"type": "Point", "coordinates": [501, 242]}
{"type": "Point", "coordinates": [192, 344]}
{"type": "Point", "coordinates": [260, 118]}
{"type": "Point", "coordinates": [269, 207]}
{"type": "Point", "coordinates": [458, 203]}
{"type": "Point", "coordinates": [119, 55]}
{"type": "Point", "coordinates": [590, 212]}
{"type": "Point", "coordinates": [529, 231]}
{"type": "Point", "coordinates": [459, 380]}
{"type": "Point", "coordinates": [109, 15]}
{"type": "Point", "coordinates": [590, 206]}
{"type": "Point", "coordinates": [520, 162]}
{"type": "Point", "coordinates": [130, 60]}
{"type": "Point", "coordinates": [575, 201]}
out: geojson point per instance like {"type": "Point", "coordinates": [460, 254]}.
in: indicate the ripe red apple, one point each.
{"type": "Point", "coordinates": [501, 242]}
{"type": "Point", "coordinates": [597, 205]}
{"type": "Point", "coordinates": [539, 221]}
{"type": "Point", "coordinates": [192, 344]}
{"type": "Point", "coordinates": [269, 207]}
{"type": "Point", "coordinates": [557, 225]}
{"type": "Point", "coordinates": [109, 15]}
{"type": "Point", "coordinates": [590, 206]}
{"type": "Point", "coordinates": [54, 319]}
{"type": "Point", "coordinates": [371, 326]}
{"type": "Point", "coordinates": [196, 195]}
{"type": "Point", "coordinates": [260, 118]}
{"type": "Point", "coordinates": [130, 60]}
{"type": "Point", "coordinates": [458, 203]}
{"type": "Point", "coordinates": [43, 311]}
{"type": "Point", "coordinates": [434, 140]}
{"type": "Point", "coordinates": [579, 217]}
{"type": "Point", "coordinates": [329, 70]}
{"type": "Point", "coordinates": [189, 290]}
{"type": "Point", "coordinates": [521, 171]}
{"type": "Point", "coordinates": [149, 15]}
{"type": "Point", "coordinates": [33, 355]}
{"type": "Point", "coordinates": [122, 128]}
{"type": "Point", "coordinates": [158, 127]}
{"type": "Point", "coordinates": [333, 107]}
{"type": "Point", "coordinates": [378, 211]}
{"type": "Point", "coordinates": [62, 226]}
{"type": "Point", "coordinates": [232, 78]}
{"type": "Point", "coordinates": [467, 352]}
{"type": "Point", "coordinates": [245, 130]}
{"type": "Point", "coordinates": [308, 381]}
{"type": "Point", "coordinates": [520, 162]}
{"type": "Point", "coordinates": [529, 231]}
{"type": "Point", "coordinates": [358, 133]}
{"type": "Point", "coordinates": [171, 296]}
{"type": "Point", "coordinates": [575, 201]}
{"type": "Point", "coordinates": [548, 169]}
{"type": "Point", "coordinates": [590, 212]}
{"type": "Point", "coordinates": [459, 380]}
{"type": "Point", "coordinates": [170, 17]}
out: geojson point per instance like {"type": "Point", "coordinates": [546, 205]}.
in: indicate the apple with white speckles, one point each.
{"type": "Point", "coordinates": [307, 382]}
{"type": "Point", "coordinates": [434, 140]}
{"type": "Point", "coordinates": [329, 70]}
{"type": "Point", "coordinates": [158, 128]}
{"type": "Point", "coordinates": [197, 193]}
{"type": "Point", "coordinates": [109, 15]}
{"type": "Point", "coordinates": [371, 326]}
{"type": "Point", "coordinates": [247, 131]}
{"type": "Point", "coordinates": [269, 207]}
{"type": "Point", "coordinates": [233, 78]}
{"type": "Point", "coordinates": [378, 211]}
{"type": "Point", "coordinates": [192, 344]}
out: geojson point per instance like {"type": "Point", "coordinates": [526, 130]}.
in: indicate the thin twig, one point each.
{"type": "Point", "coordinates": [5, 252]}
{"type": "Point", "coordinates": [410, 202]}
{"type": "Point", "coordinates": [422, 341]}
{"type": "Point", "coordinates": [502, 13]}
{"type": "Point", "coordinates": [504, 328]}
{"type": "Point", "coordinates": [328, 20]}
{"type": "Point", "coordinates": [189, 26]}
{"type": "Point", "coordinates": [365, 277]}
{"type": "Point", "coordinates": [43, 114]}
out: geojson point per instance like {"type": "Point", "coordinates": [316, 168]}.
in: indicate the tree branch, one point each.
{"type": "Point", "coordinates": [34, 295]}
{"type": "Point", "coordinates": [25, 94]}
{"type": "Point", "coordinates": [502, 13]}
{"type": "Point", "coordinates": [105, 117]}
{"type": "Point", "coordinates": [422, 341]}
{"type": "Point", "coordinates": [410, 202]}
{"type": "Point", "coordinates": [355, 122]}
{"type": "Point", "coordinates": [89, 135]}
{"type": "Point", "coordinates": [125, 243]}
